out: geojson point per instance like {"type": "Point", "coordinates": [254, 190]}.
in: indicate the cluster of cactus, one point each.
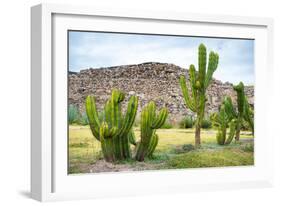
{"type": "Point", "coordinates": [244, 111]}
{"type": "Point", "coordinates": [222, 120]}
{"type": "Point", "coordinates": [114, 130]}
{"type": "Point", "coordinates": [229, 116]}
{"type": "Point", "coordinates": [150, 121]}
{"type": "Point", "coordinates": [199, 82]}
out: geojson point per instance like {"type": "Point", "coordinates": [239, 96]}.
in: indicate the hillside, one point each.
{"type": "Point", "coordinates": [149, 81]}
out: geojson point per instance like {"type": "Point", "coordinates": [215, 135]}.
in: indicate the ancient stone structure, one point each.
{"type": "Point", "coordinates": [150, 81]}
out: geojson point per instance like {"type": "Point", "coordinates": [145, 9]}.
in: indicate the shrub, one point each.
{"type": "Point", "coordinates": [84, 119]}
{"type": "Point", "coordinates": [167, 125]}
{"type": "Point", "coordinates": [248, 148]}
{"type": "Point", "coordinates": [73, 114]}
{"type": "Point", "coordinates": [206, 124]}
{"type": "Point", "coordinates": [184, 148]}
{"type": "Point", "coordinates": [188, 147]}
{"type": "Point", "coordinates": [186, 122]}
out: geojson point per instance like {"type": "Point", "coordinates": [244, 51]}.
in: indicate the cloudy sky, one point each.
{"type": "Point", "coordinates": [93, 49]}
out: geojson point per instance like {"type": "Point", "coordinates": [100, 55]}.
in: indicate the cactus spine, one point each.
{"type": "Point", "coordinates": [199, 82]}
{"type": "Point", "coordinates": [222, 119]}
{"type": "Point", "coordinates": [114, 131]}
{"type": "Point", "coordinates": [150, 121]}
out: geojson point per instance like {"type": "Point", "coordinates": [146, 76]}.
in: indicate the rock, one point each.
{"type": "Point", "coordinates": [149, 81]}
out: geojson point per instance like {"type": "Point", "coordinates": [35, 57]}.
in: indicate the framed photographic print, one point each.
{"type": "Point", "coordinates": [137, 102]}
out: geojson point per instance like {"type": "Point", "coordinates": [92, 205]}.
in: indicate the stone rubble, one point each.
{"type": "Point", "coordinates": [149, 81]}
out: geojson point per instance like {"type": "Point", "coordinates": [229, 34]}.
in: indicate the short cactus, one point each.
{"type": "Point", "coordinates": [149, 123]}
{"type": "Point", "coordinates": [114, 131]}
{"type": "Point", "coordinates": [249, 115]}
{"type": "Point", "coordinates": [199, 82]}
{"type": "Point", "coordinates": [222, 120]}
{"type": "Point", "coordinates": [240, 105]}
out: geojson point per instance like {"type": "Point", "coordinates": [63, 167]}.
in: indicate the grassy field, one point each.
{"type": "Point", "coordinates": [173, 151]}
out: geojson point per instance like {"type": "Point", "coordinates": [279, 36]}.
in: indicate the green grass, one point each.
{"type": "Point", "coordinates": [173, 150]}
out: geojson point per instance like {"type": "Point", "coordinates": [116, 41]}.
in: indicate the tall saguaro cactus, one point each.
{"type": "Point", "coordinates": [114, 130]}
{"type": "Point", "coordinates": [199, 82]}
{"type": "Point", "coordinates": [150, 121]}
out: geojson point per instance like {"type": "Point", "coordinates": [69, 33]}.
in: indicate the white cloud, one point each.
{"type": "Point", "coordinates": [102, 50]}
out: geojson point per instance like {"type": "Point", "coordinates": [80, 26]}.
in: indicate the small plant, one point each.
{"type": "Point", "coordinates": [195, 98]}
{"type": "Point", "coordinates": [84, 119]}
{"type": "Point", "coordinates": [248, 147]}
{"type": "Point", "coordinates": [221, 121]}
{"type": "Point", "coordinates": [186, 122]}
{"type": "Point", "coordinates": [206, 123]}
{"type": "Point", "coordinates": [188, 147]}
{"type": "Point", "coordinates": [73, 114]}
{"type": "Point", "coordinates": [183, 148]}
{"type": "Point", "coordinates": [167, 125]}
{"type": "Point", "coordinates": [150, 121]}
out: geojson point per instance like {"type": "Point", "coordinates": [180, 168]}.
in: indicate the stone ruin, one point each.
{"type": "Point", "coordinates": [149, 81]}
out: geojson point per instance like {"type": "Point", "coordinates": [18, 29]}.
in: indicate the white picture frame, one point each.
{"type": "Point", "coordinates": [49, 178]}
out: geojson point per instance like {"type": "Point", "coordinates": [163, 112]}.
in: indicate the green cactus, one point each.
{"type": "Point", "coordinates": [249, 115]}
{"type": "Point", "coordinates": [150, 121]}
{"type": "Point", "coordinates": [241, 107]}
{"type": "Point", "coordinates": [199, 82]}
{"type": "Point", "coordinates": [113, 130]}
{"type": "Point", "coordinates": [222, 120]}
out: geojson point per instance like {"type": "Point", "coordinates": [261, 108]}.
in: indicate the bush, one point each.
{"type": "Point", "coordinates": [206, 124]}
{"type": "Point", "coordinates": [188, 147]}
{"type": "Point", "coordinates": [84, 119]}
{"type": "Point", "coordinates": [184, 148]}
{"type": "Point", "coordinates": [167, 125]}
{"type": "Point", "coordinates": [73, 114]}
{"type": "Point", "coordinates": [186, 122]}
{"type": "Point", "coordinates": [248, 148]}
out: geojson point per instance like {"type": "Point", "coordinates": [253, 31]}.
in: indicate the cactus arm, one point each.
{"type": "Point", "coordinates": [240, 104]}
{"type": "Point", "coordinates": [229, 108]}
{"type": "Point", "coordinates": [106, 142]}
{"type": "Point", "coordinates": [231, 134]}
{"type": "Point", "coordinates": [92, 115]}
{"type": "Point", "coordinates": [132, 138]}
{"type": "Point", "coordinates": [186, 96]}
{"type": "Point", "coordinates": [202, 61]}
{"type": "Point", "coordinates": [116, 98]}
{"type": "Point", "coordinates": [212, 66]}
{"type": "Point", "coordinates": [192, 77]}
{"type": "Point", "coordinates": [240, 97]}
{"type": "Point", "coordinates": [160, 119]}
{"type": "Point", "coordinates": [152, 146]}
{"type": "Point", "coordinates": [248, 114]}
{"type": "Point", "coordinates": [130, 116]}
